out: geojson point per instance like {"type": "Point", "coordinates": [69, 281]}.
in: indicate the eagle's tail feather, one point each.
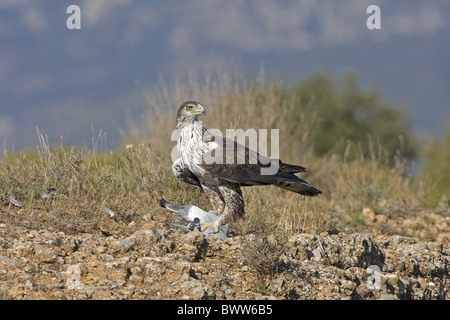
{"type": "Point", "coordinates": [299, 186]}
{"type": "Point", "coordinates": [291, 168]}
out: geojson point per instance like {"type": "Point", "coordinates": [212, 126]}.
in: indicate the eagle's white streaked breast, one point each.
{"type": "Point", "coordinates": [191, 146]}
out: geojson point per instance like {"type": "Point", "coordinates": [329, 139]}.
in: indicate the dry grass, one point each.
{"type": "Point", "coordinates": [264, 251]}
{"type": "Point", "coordinates": [231, 103]}
{"type": "Point", "coordinates": [128, 181]}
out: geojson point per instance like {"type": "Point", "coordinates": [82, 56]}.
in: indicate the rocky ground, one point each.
{"type": "Point", "coordinates": [155, 262]}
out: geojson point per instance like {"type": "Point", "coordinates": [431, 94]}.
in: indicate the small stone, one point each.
{"type": "Point", "coordinates": [421, 246]}
{"type": "Point", "coordinates": [435, 246]}
{"type": "Point", "coordinates": [381, 218]}
{"type": "Point", "coordinates": [101, 249]}
{"type": "Point", "coordinates": [349, 285]}
{"type": "Point", "coordinates": [392, 279]}
{"type": "Point", "coordinates": [400, 239]}
{"type": "Point", "coordinates": [105, 257]}
{"type": "Point", "coordinates": [369, 214]}
{"type": "Point", "coordinates": [122, 245]}
{"type": "Point", "coordinates": [44, 253]}
{"type": "Point", "coordinates": [12, 263]}
{"type": "Point", "coordinates": [316, 253]}
{"type": "Point", "coordinates": [58, 242]}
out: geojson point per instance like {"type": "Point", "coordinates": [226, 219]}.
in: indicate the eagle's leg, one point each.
{"type": "Point", "coordinates": [233, 205]}
{"type": "Point", "coordinates": [217, 202]}
{"type": "Point", "coordinates": [215, 198]}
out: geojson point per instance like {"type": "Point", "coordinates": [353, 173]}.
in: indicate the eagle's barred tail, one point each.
{"type": "Point", "coordinates": [301, 187]}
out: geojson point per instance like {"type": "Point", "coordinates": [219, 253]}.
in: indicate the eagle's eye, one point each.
{"type": "Point", "coordinates": [188, 108]}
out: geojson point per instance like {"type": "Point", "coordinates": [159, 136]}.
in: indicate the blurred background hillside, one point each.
{"type": "Point", "coordinates": [330, 84]}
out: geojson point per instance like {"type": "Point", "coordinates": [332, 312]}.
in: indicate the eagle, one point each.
{"type": "Point", "coordinates": [221, 166]}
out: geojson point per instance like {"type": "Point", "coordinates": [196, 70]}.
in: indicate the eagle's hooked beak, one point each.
{"type": "Point", "coordinates": [199, 109]}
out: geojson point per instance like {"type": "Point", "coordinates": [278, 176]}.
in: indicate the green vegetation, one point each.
{"type": "Point", "coordinates": [436, 169]}
{"type": "Point", "coordinates": [354, 143]}
{"type": "Point", "coordinates": [346, 113]}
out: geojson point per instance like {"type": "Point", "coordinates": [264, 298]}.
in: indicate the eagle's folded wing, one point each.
{"type": "Point", "coordinates": [184, 174]}
{"type": "Point", "coordinates": [241, 165]}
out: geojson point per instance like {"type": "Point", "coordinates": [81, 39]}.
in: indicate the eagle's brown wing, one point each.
{"type": "Point", "coordinates": [245, 167]}
{"type": "Point", "coordinates": [184, 174]}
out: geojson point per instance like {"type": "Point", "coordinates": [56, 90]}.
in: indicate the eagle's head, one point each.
{"type": "Point", "coordinates": [190, 110]}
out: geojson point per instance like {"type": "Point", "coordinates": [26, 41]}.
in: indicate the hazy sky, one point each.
{"type": "Point", "coordinates": [64, 81]}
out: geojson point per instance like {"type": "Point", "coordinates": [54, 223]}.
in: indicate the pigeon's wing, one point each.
{"type": "Point", "coordinates": [188, 228]}
{"type": "Point", "coordinates": [195, 212]}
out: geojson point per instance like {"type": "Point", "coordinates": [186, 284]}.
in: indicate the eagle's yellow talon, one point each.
{"type": "Point", "coordinates": [213, 225]}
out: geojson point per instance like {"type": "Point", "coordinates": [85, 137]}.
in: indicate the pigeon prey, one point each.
{"type": "Point", "coordinates": [191, 217]}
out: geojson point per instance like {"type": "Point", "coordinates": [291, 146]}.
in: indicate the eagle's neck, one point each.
{"type": "Point", "coordinates": [190, 141]}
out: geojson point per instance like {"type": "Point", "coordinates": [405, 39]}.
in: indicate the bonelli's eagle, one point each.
{"type": "Point", "coordinates": [220, 166]}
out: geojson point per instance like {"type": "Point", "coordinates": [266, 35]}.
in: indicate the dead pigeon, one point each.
{"type": "Point", "coordinates": [191, 217]}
